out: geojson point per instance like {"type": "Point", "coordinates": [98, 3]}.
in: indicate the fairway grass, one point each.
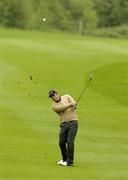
{"type": "Point", "coordinates": [29, 128]}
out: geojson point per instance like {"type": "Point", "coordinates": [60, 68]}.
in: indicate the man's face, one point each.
{"type": "Point", "coordinates": [56, 97]}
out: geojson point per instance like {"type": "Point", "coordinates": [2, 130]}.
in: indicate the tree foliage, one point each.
{"type": "Point", "coordinates": [67, 15]}
{"type": "Point", "coordinates": [111, 12]}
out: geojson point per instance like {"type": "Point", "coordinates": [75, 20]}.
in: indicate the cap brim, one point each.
{"type": "Point", "coordinates": [52, 94]}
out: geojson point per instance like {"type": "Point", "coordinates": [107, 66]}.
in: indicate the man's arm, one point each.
{"type": "Point", "coordinates": [59, 108]}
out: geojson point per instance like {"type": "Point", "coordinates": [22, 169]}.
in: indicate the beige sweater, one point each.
{"type": "Point", "coordinates": [66, 114]}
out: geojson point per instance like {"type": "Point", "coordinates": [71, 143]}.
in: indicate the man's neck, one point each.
{"type": "Point", "coordinates": [58, 100]}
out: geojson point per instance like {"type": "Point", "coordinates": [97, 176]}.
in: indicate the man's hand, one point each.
{"type": "Point", "coordinates": [74, 105]}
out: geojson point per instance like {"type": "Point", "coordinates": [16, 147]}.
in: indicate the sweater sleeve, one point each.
{"type": "Point", "coordinates": [60, 108]}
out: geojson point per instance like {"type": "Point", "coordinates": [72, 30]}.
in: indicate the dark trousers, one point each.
{"type": "Point", "coordinates": [68, 131]}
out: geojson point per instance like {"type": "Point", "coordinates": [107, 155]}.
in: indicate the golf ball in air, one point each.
{"type": "Point", "coordinates": [44, 19]}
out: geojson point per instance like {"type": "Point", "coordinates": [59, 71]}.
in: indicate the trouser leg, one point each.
{"type": "Point", "coordinates": [62, 143]}
{"type": "Point", "coordinates": [70, 141]}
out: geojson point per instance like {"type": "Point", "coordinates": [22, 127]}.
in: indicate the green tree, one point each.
{"type": "Point", "coordinates": [15, 13]}
{"type": "Point", "coordinates": [81, 14]}
{"type": "Point", "coordinates": [111, 12]}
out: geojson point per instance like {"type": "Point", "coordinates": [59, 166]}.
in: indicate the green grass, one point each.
{"type": "Point", "coordinates": [28, 127]}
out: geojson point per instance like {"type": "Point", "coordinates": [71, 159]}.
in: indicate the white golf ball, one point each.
{"type": "Point", "coordinates": [44, 19]}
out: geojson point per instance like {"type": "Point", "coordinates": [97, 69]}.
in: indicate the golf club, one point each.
{"type": "Point", "coordinates": [90, 78]}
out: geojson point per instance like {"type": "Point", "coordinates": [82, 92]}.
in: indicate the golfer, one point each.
{"type": "Point", "coordinates": [65, 107]}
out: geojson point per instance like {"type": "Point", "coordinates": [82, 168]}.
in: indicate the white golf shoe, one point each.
{"type": "Point", "coordinates": [59, 162]}
{"type": "Point", "coordinates": [62, 163]}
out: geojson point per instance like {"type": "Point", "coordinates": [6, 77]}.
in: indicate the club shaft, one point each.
{"type": "Point", "coordinates": [83, 92]}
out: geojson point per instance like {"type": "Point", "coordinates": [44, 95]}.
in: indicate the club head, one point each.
{"type": "Point", "coordinates": [91, 77]}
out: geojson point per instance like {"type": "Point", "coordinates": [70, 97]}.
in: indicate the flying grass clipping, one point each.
{"type": "Point", "coordinates": [30, 77]}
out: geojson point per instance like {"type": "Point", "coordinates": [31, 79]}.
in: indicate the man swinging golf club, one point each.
{"type": "Point", "coordinates": [65, 107]}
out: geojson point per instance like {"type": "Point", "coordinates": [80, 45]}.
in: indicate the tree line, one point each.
{"type": "Point", "coordinates": [65, 15]}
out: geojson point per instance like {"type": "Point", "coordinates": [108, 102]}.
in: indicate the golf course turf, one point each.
{"type": "Point", "coordinates": [32, 63]}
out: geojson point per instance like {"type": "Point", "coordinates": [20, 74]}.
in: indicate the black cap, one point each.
{"type": "Point", "coordinates": [51, 93]}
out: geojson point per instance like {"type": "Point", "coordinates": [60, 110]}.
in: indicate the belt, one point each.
{"type": "Point", "coordinates": [69, 121]}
